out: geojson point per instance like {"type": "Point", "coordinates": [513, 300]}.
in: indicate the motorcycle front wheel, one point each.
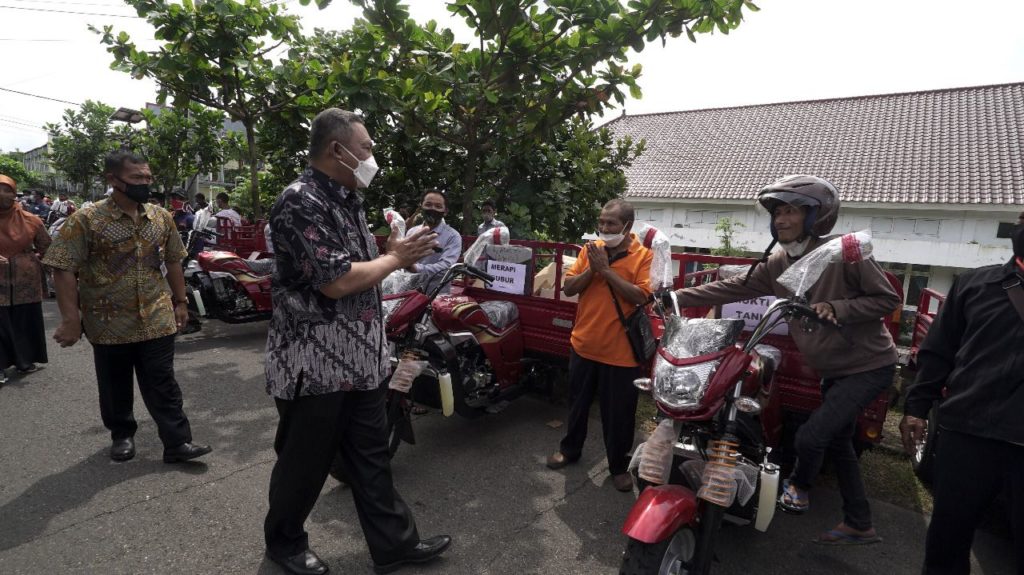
{"type": "Point", "coordinates": [669, 557]}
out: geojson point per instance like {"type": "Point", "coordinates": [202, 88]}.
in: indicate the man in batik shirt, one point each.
{"type": "Point", "coordinates": [327, 359]}
{"type": "Point", "coordinates": [110, 261]}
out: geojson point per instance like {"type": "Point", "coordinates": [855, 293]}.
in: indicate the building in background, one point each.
{"type": "Point", "coordinates": [937, 176]}
{"type": "Point", "coordinates": [38, 160]}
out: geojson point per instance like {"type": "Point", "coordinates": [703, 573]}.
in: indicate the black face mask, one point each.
{"type": "Point", "coordinates": [136, 192]}
{"type": "Point", "coordinates": [432, 217]}
{"type": "Point", "coordinates": [1017, 237]}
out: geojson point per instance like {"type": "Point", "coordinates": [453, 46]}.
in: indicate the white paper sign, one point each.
{"type": "Point", "coordinates": [508, 277]}
{"type": "Point", "coordinates": [751, 311]}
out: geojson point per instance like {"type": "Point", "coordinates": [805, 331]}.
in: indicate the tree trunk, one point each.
{"type": "Point", "coordinates": [254, 176]}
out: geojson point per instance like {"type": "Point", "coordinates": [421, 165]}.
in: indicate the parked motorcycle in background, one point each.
{"type": "Point", "coordinates": [221, 285]}
{"type": "Point", "coordinates": [708, 459]}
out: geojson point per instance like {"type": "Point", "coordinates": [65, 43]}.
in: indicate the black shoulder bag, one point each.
{"type": "Point", "coordinates": [638, 331]}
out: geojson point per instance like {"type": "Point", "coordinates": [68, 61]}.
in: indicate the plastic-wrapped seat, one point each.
{"type": "Point", "coordinates": [501, 313]}
{"type": "Point", "coordinates": [262, 267]}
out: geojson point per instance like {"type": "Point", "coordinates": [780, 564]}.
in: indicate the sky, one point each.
{"type": "Point", "coordinates": [789, 51]}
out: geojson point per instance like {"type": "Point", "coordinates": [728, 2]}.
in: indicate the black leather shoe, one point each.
{"type": "Point", "coordinates": [304, 563]}
{"type": "Point", "coordinates": [122, 449]}
{"type": "Point", "coordinates": [424, 551]}
{"type": "Point", "coordinates": [185, 451]}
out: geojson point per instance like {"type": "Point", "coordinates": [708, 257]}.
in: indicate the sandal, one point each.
{"type": "Point", "coordinates": [837, 537]}
{"type": "Point", "coordinates": [791, 501]}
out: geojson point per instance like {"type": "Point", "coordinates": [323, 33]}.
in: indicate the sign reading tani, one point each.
{"type": "Point", "coordinates": [751, 311]}
{"type": "Point", "coordinates": [508, 277]}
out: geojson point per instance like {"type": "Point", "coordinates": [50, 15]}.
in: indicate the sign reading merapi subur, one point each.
{"type": "Point", "coordinates": [508, 277]}
{"type": "Point", "coordinates": [751, 311]}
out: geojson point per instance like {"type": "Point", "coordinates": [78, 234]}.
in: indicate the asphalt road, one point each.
{"type": "Point", "coordinates": [66, 508]}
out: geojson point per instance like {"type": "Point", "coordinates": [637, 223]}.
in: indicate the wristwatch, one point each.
{"type": "Point", "coordinates": [181, 301]}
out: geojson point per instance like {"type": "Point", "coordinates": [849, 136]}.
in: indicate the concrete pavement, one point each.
{"type": "Point", "coordinates": [66, 508]}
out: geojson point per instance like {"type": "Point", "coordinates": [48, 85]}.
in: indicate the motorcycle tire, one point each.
{"type": "Point", "coordinates": [923, 460]}
{"type": "Point", "coordinates": [669, 557]}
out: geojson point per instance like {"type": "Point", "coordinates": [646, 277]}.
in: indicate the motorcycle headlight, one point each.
{"type": "Point", "coordinates": [682, 387]}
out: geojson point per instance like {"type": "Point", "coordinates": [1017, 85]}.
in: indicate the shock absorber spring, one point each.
{"type": "Point", "coordinates": [718, 484]}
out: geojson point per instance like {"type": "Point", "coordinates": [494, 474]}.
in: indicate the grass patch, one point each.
{"type": "Point", "coordinates": [646, 411]}
{"type": "Point", "coordinates": [888, 477]}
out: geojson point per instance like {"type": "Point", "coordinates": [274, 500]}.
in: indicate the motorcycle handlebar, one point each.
{"type": "Point", "coordinates": [474, 271]}
{"type": "Point", "coordinates": [806, 311]}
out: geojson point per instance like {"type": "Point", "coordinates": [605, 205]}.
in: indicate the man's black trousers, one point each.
{"type": "Point", "coordinates": [970, 472]}
{"type": "Point", "coordinates": [617, 398]}
{"type": "Point", "coordinates": [152, 362]}
{"type": "Point", "coordinates": [310, 432]}
{"type": "Point", "coordinates": [830, 430]}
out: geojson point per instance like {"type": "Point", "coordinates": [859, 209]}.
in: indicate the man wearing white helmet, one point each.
{"type": "Point", "coordinates": [855, 369]}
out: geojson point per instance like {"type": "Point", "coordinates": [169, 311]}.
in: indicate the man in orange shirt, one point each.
{"type": "Point", "coordinates": [601, 359]}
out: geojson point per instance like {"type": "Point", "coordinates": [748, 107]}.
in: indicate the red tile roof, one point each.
{"type": "Point", "coordinates": [954, 146]}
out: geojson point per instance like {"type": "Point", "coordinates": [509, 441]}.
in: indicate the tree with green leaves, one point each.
{"type": "Point", "coordinates": [79, 143]}
{"type": "Point", "coordinates": [535, 65]}
{"type": "Point", "coordinates": [215, 53]}
{"type": "Point", "coordinates": [507, 118]}
{"type": "Point", "coordinates": [180, 144]}
{"type": "Point", "coordinates": [727, 228]}
{"type": "Point", "coordinates": [11, 165]}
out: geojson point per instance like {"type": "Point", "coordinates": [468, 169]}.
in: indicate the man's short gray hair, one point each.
{"type": "Point", "coordinates": [624, 209]}
{"type": "Point", "coordinates": [333, 124]}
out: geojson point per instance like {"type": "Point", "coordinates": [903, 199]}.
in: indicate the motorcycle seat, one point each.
{"type": "Point", "coordinates": [501, 313]}
{"type": "Point", "coordinates": [261, 267]}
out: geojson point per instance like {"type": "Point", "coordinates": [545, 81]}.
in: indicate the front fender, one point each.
{"type": "Point", "coordinates": [659, 512]}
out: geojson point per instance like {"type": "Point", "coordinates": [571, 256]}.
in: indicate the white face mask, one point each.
{"type": "Point", "coordinates": [613, 240]}
{"type": "Point", "coordinates": [364, 170]}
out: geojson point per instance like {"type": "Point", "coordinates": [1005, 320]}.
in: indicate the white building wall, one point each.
{"type": "Point", "coordinates": [947, 240]}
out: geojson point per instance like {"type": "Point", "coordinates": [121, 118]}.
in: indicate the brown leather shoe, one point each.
{"type": "Point", "coordinates": [557, 460]}
{"type": "Point", "coordinates": [623, 482]}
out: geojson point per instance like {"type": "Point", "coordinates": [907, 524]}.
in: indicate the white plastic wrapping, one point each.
{"type": "Point", "coordinates": [407, 371]}
{"type": "Point", "coordinates": [728, 271]}
{"type": "Point", "coordinates": [769, 352]}
{"type": "Point", "coordinates": [395, 220]}
{"type": "Point", "coordinates": [695, 337]}
{"type": "Point", "coordinates": [661, 265]}
{"type": "Point", "coordinates": [744, 475]}
{"type": "Point", "coordinates": [476, 251]}
{"type": "Point", "coordinates": [390, 305]}
{"type": "Point", "coordinates": [401, 281]}
{"type": "Point", "coordinates": [656, 460]}
{"type": "Point", "coordinates": [501, 313]}
{"type": "Point", "coordinates": [849, 248]}
{"type": "Point", "coordinates": [261, 267]}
